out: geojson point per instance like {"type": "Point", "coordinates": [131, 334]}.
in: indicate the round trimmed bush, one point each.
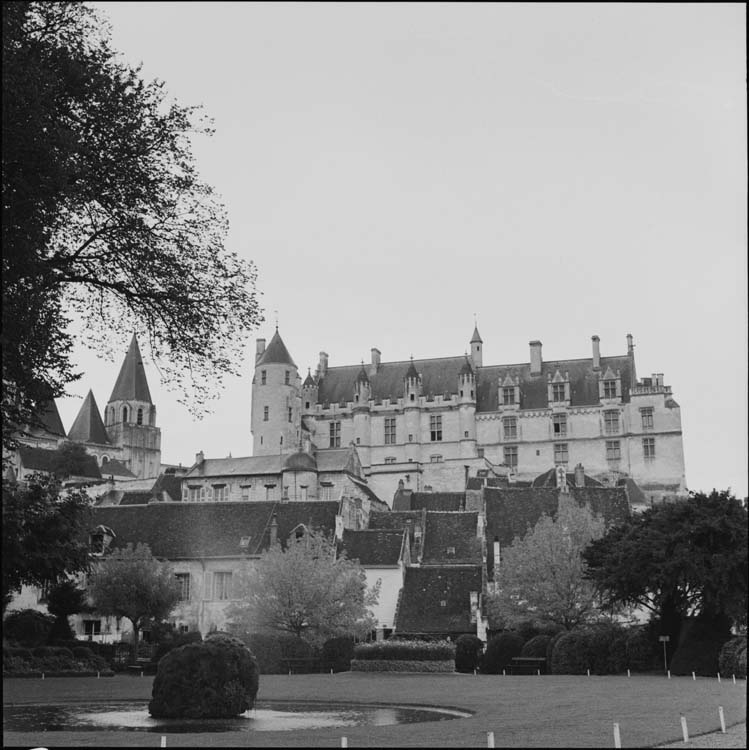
{"type": "Point", "coordinates": [500, 651]}
{"type": "Point", "coordinates": [536, 647]}
{"type": "Point", "coordinates": [732, 657]}
{"type": "Point", "coordinates": [212, 679]}
{"type": "Point", "coordinates": [571, 654]}
{"type": "Point", "coordinates": [700, 642]}
{"type": "Point", "coordinates": [338, 653]}
{"type": "Point", "coordinates": [642, 655]}
{"type": "Point", "coordinates": [27, 627]}
{"type": "Point", "coordinates": [174, 640]}
{"type": "Point", "coordinates": [468, 650]}
{"type": "Point", "coordinates": [606, 648]}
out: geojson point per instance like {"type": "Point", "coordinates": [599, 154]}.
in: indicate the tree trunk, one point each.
{"type": "Point", "coordinates": [134, 647]}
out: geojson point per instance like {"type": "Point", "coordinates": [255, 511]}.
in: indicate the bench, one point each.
{"type": "Point", "coordinates": [528, 665]}
{"type": "Point", "coordinates": [307, 665]}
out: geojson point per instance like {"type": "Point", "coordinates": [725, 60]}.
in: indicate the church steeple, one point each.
{"type": "Point", "coordinates": [132, 384]}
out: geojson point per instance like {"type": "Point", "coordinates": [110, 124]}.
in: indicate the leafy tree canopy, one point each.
{"type": "Point", "coordinates": [45, 533]}
{"type": "Point", "coordinates": [132, 583]}
{"type": "Point", "coordinates": [688, 557]}
{"type": "Point", "coordinates": [105, 218]}
{"type": "Point", "coordinates": [305, 590]}
{"type": "Point", "coordinates": [541, 576]}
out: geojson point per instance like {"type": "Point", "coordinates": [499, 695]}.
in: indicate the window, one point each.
{"type": "Point", "coordinates": [611, 422]}
{"type": "Point", "coordinates": [306, 404]}
{"type": "Point", "coordinates": [193, 493]}
{"type": "Point", "coordinates": [560, 453]}
{"type": "Point", "coordinates": [648, 448]}
{"type": "Point", "coordinates": [286, 377]}
{"type": "Point", "coordinates": [389, 430]}
{"type": "Point", "coordinates": [559, 424]}
{"type": "Point", "coordinates": [326, 492]}
{"type": "Point", "coordinates": [266, 413]}
{"type": "Point", "coordinates": [510, 427]}
{"type": "Point", "coordinates": [413, 398]}
{"type": "Point", "coordinates": [222, 586]}
{"type": "Point", "coordinates": [609, 388]}
{"type": "Point", "coordinates": [139, 418]}
{"type": "Point", "coordinates": [450, 551]}
{"type": "Point", "coordinates": [613, 450]}
{"type": "Point", "coordinates": [303, 494]}
{"type": "Point", "coordinates": [511, 455]}
{"type": "Point", "coordinates": [246, 492]}
{"type": "Point", "coordinates": [480, 452]}
{"type": "Point", "coordinates": [508, 396]}
{"type": "Point", "coordinates": [124, 413]}
{"type": "Point", "coordinates": [335, 434]}
{"type": "Point", "coordinates": [557, 392]}
{"type": "Point", "coordinates": [435, 428]}
{"type": "Point", "coordinates": [92, 627]}
{"type": "Point", "coordinates": [389, 459]}
{"type": "Point", "coordinates": [435, 459]}
{"type": "Point", "coordinates": [220, 493]}
{"type": "Point", "coordinates": [410, 438]}
{"type": "Point", "coordinates": [647, 417]}
{"type": "Point", "coordinates": [263, 377]}
{"type": "Point", "coordinates": [269, 492]}
{"type": "Point", "coordinates": [184, 586]}
{"type": "Point", "coordinates": [289, 414]}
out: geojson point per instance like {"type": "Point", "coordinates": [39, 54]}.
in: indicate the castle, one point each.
{"type": "Point", "coordinates": [430, 423]}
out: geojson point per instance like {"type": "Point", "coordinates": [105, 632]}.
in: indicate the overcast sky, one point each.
{"type": "Point", "coordinates": [392, 169]}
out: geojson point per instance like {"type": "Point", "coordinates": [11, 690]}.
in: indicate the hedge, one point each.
{"type": "Point", "coordinates": [402, 665]}
{"type": "Point", "coordinates": [338, 653]}
{"type": "Point", "coordinates": [28, 627]}
{"type": "Point", "coordinates": [732, 657]}
{"type": "Point", "coordinates": [500, 651]}
{"type": "Point", "coordinates": [397, 650]}
{"type": "Point", "coordinates": [642, 655]}
{"type": "Point", "coordinates": [468, 649]}
{"type": "Point", "coordinates": [536, 647]}
{"type": "Point", "coordinates": [700, 644]}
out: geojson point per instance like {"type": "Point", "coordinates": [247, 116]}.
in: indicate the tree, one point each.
{"type": "Point", "coordinates": [105, 218]}
{"type": "Point", "coordinates": [679, 559]}
{"type": "Point", "coordinates": [64, 599]}
{"type": "Point", "coordinates": [45, 533]}
{"type": "Point", "coordinates": [132, 583]}
{"type": "Point", "coordinates": [305, 590]}
{"type": "Point", "coordinates": [542, 575]}
{"type": "Point", "coordinates": [70, 459]}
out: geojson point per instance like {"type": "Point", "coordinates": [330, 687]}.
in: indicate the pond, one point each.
{"type": "Point", "coordinates": [267, 716]}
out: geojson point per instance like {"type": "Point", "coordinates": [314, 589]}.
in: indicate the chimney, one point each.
{"type": "Point", "coordinates": [322, 368]}
{"type": "Point", "coordinates": [376, 357]}
{"type": "Point", "coordinates": [273, 530]}
{"type": "Point", "coordinates": [199, 458]}
{"type": "Point", "coordinates": [659, 376]}
{"type": "Point", "coordinates": [496, 558]}
{"type": "Point", "coordinates": [596, 352]}
{"type": "Point", "coordinates": [535, 357]}
{"type": "Point", "coordinates": [630, 344]}
{"type": "Point", "coordinates": [259, 349]}
{"type": "Point", "coordinates": [579, 476]}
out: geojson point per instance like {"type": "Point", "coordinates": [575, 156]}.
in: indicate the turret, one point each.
{"type": "Point", "coordinates": [412, 385]}
{"type": "Point", "coordinates": [467, 409]}
{"type": "Point", "coordinates": [309, 393]}
{"type": "Point", "coordinates": [362, 389]}
{"type": "Point", "coordinates": [362, 426]}
{"type": "Point", "coordinates": [276, 401]}
{"type": "Point", "coordinates": [477, 346]}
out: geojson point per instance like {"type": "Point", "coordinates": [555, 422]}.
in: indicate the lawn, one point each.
{"type": "Point", "coordinates": [540, 711]}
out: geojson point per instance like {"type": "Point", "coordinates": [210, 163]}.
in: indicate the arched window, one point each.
{"type": "Point", "coordinates": [124, 413]}
{"type": "Point", "coordinates": [140, 416]}
{"type": "Point", "coordinates": [104, 459]}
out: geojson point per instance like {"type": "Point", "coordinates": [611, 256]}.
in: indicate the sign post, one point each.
{"type": "Point", "coordinates": [664, 639]}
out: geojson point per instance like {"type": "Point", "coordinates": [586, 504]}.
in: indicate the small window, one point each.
{"type": "Point", "coordinates": [193, 493]}
{"type": "Point", "coordinates": [609, 388]}
{"type": "Point", "coordinates": [413, 398]}
{"type": "Point", "coordinates": [266, 413]}
{"type": "Point", "coordinates": [511, 455]}
{"type": "Point", "coordinates": [124, 413]}
{"type": "Point", "coordinates": [646, 413]}
{"type": "Point", "coordinates": [389, 430]}
{"type": "Point", "coordinates": [220, 493]}
{"type": "Point", "coordinates": [561, 455]}
{"type": "Point", "coordinates": [510, 426]}
{"type": "Point", "coordinates": [480, 452]}
{"type": "Point", "coordinates": [559, 424]}
{"type": "Point", "coordinates": [263, 377]}
{"type": "Point", "coordinates": [436, 459]}
{"type": "Point", "coordinates": [358, 441]}
{"type": "Point", "coordinates": [184, 586]}
{"type": "Point", "coordinates": [289, 414]}
{"type": "Point", "coordinates": [648, 448]}
{"type": "Point", "coordinates": [222, 585]}
{"type": "Point", "coordinates": [465, 433]}
{"type": "Point", "coordinates": [611, 422]}
{"type": "Point", "coordinates": [410, 438]}
{"type": "Point", "coordinates": [91, 627]}
{"type": "Point", "coordinates": [335, 434]}
{"type": "Point", "coordinates": [443, 602]}
{"type": "Point", "coordinates": [557, 392]}
{"type": "Point", "coordinates": [435, 428]}
{"type": "Point", "coordinates": [246, 492]}
{"type": "Point", "coordinates": [613, 450]}
{"type": "Point", "coordinates": [303, 494]}
{"type": "Point", "coordinates": [286, 377]}
{"type": "Point", "coordinates": [389, 459]}
{"type": "Point", "coordinates": [508, 396]}
{"type": "Point", "coordinates": [139, 418]}
{"type": "Point", "coordinates": [451, 551]}
{"type": "Point", "coordinates": [306, 404]}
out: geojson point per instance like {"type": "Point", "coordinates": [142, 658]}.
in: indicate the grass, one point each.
{"type": "Point", "coordinates": [532, 711]}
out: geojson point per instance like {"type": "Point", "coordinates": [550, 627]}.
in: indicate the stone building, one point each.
{"type": "Point", "coordinates": [432, 422]}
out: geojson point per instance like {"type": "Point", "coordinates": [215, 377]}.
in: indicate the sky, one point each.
{"type": "Point", "coordinates": [394, 170]}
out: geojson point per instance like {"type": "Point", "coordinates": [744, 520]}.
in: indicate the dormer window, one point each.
{"type": "Point", "coordinates": [609, 388]}
{"type": "Point", "coordinates": [557, 392]}
{"type": "Point", "coordinates": [508, 396]}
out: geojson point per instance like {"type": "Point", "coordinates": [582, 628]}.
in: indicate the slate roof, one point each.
{"type": "Point", "coordinates": [424, 589]}
{"type": "Point", "coordinates": [88, 426]}
{"type": "Point", "coordinates": [276, 353]}
{"type": "Point", "coordinates": [435, 501]}
{"type": "Point", "coordinates": [42, 459]}
{"type": "Point", "coordinates": [456, 530]}
{"type": "Point", "coordinates": [373, 547]}
{"type": "Point", "coordinates": [299, 461]}
{"type": "Point", "coordinates": [366, 489]}
{"type": "Point", "coordinates": [335, 459]}
{"type": "Point", "coordinates": [169, 483]}
{"type": "Point", "coordinates": [476, 483]}
{"type": "Point", "coordinates": [116, 468]}
{"type": "Point", "coordinates": [131, 384]}
{"type": "Point", "coordinates": [549, 479]}
{"type": "Point", "coordinates": [476, 338]}
{"type": "Point", "coordinates": [176, 531]}
{"type": "Point", "coordinates": [135, 498]}
{"type": "Point", "coordinates": [393, 519]}
{"type": "Point", "coordinates": [440, 376]}
{"type": "Point", "coordinates": [245, 465]}
{"type": "Point", "coordinates": [49, 418]}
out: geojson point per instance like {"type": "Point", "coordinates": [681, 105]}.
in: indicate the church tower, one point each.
{"type": "Point", "coordinates": [130, 417]}
{"type": "Point", "coordinates": [276, 400]}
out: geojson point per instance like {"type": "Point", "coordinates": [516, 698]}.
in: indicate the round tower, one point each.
{"type": "Point", "coordinates": [412, 412]}
{"type": "Point", "coordinates": [362, 424]}
{"type": "Point", "coordinates": [276, 400]}
{"type": "Point", "coordinates": [467, 410]}
{"type": "Point", "coordinates": [299, 477]}
{"type": "Point", "coordinates": [477, 345]}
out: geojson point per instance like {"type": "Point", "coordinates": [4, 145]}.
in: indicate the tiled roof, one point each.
{"type": "Point", "coordinates": [276, 353]}
{"type": "Point", "coordinates": [135, 498]}
{"type": "Point", "coordinates": [393, 519]}
{"type": "Point", "coordinates": [366, 489]}
{"type": "Point", "coordinates": [131, 384]}
{"type": "Point", "coordinates": [299, 461]}
{"type": "Point", "coordinates": [454, 531]}
{"type": "Point", "coordinates": [336, 459]}
{"type": "Point", "coordinates": [194, 530]}
{"type": "Point", "coordinates": [441, 376]}
{"type": "Point", "coordinates": [609, 503]}
{"type": "Point", "coordinates": [88, 426]}
{"type": "Point", "coordinates": [246, 465]}
{"type": "Point", "coordinates": [476, 338]}
{"type": "Point", "coordinates": [424, 592]}
{"type": "Point", "coordinates": [42, 459]}
{"type": "Point", "coordinates": [115, 468]}
{"type": "Point", "coordinates": [533, 388]}
{"type": "Point", "coordinates": [169, 483]}
{"type": "Point", "coordinates": [437, 501]}
{"type": "Point", "coordinates": [549, 479]}
{"type": "Point", "coordinates": [373, 547]}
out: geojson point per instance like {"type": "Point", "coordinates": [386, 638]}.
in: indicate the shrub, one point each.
{"type": "Point", "coordinates": [732, 657]}
{"type": "Point", "coordinates": [552, 644]}
{"type": "Point", "coordinates": [398, 650]}
{"type": "Point", "coordinates": [401, 665]}
{"type": "Point", "coordinates": [700, 643]}
{"type": "Point", "coordinates": [215, 678]}
{"type": "Point", "coordinates": [642, 654]}
{"type": "Point", "coordinates": [606, 648]}
{"type": "Point", "coordinates": [536, 647]}
{"type": "Point", "coordinates": [28, 627]}
{"type": "Point", "coordinates": [338, 653]}
{"type": "Point", "coordinates": [571, 654]}
{"type": "Point", "coordinates": [48, 651]}
{"type": "Point", "coordinates": [468, 650]}
{"type": "Point", "coordinates": [500, 651]}
{"type": "Point", "coordinates": [81, 652]}
{"type": "Point", "coordinates": [271, 648]}
{"type": "Point", "coordinates": [174, 640]}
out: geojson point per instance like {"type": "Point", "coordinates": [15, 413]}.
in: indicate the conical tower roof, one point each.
{"type": "Point", "coordinates": [411, 372]}
{"type": "Point", "coordinates": [309, 381]}
{"type": "Point", "coordinates": [88, 426]}
{"type": "Point", "coordinates": [466, 369]}
{"type": "Point", "coordinates": [476, 339]}
{"type": "Point", "coordinates": [362, 377]}
{"type": "Point", "coordinates": [49, 418]}
{"type": "Point", "coordinates": [276, 353]}
{"type": "Point", "coordinates": [131, 383]}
